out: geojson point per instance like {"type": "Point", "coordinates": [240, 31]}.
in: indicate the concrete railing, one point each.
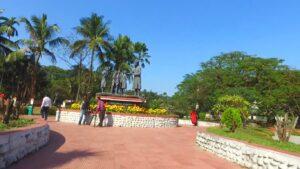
{"type": "Point", "coordinates": [120, 120]}
{"type": "Point", "coordinates": [15, 144]}
{"type": "Point", "coordinates": [246, 155]}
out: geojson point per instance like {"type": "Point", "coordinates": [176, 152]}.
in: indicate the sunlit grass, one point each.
{"type": "Point", "coordinates": [256, 135]}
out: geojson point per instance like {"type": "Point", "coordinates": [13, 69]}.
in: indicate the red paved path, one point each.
{"type": "Point", "coordinates": [76, 147]}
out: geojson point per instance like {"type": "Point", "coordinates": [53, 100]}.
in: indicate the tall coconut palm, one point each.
{"type": "Point", "coordinates": [121, 53]}
{"type": "Point", "coordinates": [7, 30]}
{"type": "Point", "coordinates": [42, 36]}
{"type": "Point", "coordinates": [95, 37]}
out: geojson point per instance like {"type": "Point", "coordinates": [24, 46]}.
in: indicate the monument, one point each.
{"type": "Point", "coordinates": [137, 80]}
{"type": "Point", "coordinates": [119, 85]}
{"type": "Point", "coordinates": [103, 80]}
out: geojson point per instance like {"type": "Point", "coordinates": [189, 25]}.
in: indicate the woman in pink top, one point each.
{"type": "Point", "coordinates": [101, 110]}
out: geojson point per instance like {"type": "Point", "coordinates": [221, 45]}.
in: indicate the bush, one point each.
{"type": "Point", "coordinates": [158, 111]}
{"type": "Point", "coordinates": [228, 101]}
{"type": "Point", "coordinates": [231, 118]}
{"type": "Point", "coordinates": [75, 106]}
{"type": "Point", "coordinates": [202, 116]}
{"type": "Point", "coordinates": [16, 124]}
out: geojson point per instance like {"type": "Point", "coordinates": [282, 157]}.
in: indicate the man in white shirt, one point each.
{"type": "Point", "coordinates": [46, 104]}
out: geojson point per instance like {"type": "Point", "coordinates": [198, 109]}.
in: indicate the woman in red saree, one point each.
{"type": "Point", "coordinates": [194, 117]}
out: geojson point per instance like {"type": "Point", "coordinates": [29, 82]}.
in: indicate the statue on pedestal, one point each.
{"type": "Point", "coordinates": [123, 82]}
{"type": "Point", "coordinates": [115, 85]}
{"type": "Point", "coordinates": [137, 70]}
{"type": "Point", "coordinates": [103, 80]}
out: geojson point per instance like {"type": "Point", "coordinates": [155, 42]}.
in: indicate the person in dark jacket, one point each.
{"type": "Point", "coordinates": [84, 110]}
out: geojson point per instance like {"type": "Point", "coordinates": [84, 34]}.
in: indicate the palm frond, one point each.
{"type": "Point", "coordinates": [29, 27]}
{"type": "Point", "coordinates": [51, 54]}
{"type": "Point", "coordinates": [58, 41]}
{"type": "Point", "coordinates": [77, 47]}
{"type": "Point", "coordinates": [16, 55]}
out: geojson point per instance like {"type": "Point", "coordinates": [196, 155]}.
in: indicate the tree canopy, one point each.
{"type": "Point", "coordinates": [273, 85]}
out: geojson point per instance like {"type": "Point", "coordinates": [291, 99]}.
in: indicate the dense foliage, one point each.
{"type": "Point", "coordinates": [236, 102]}
{"type": "Point", "coordinates": [231, 118]}
{"type": "Point", "coordinates": [274, 86]}
{"type": "Point", "coordinates": [22, 75]}
{"type": "Point", "coordinates": [16, 124]}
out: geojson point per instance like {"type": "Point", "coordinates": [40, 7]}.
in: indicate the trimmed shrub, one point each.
{"type": "Point", "coordinates": [202, 116]}
{"type": "Point", "coordinates": [231, 118]}
{"type": "Point", "coordinates": [232, 101]}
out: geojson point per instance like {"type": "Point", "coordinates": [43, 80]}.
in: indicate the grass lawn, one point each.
{"type": "Point", "coordinates": [16, 124]}
{"type": "Point", "coordinates": [260, 136]}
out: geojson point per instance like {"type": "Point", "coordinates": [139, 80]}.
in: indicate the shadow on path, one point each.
{"type": "Point", "coordinates": [48, 157]}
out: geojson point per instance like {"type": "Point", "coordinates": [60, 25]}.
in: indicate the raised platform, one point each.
{"type": "Point", "coordinates": [120, 120]}
{"type": "Point", "coordinates": [129, 99]}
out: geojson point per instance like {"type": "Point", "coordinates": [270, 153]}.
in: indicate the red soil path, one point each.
{"type": "Point", "coordinates": [85, 147]}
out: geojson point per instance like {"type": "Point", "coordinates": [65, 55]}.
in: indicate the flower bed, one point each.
{"type": "Point", "coordinates": [126, 109]}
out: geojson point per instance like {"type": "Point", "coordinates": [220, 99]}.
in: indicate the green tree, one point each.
{"type": "Point", "coordinates": [95, 37]}
{"type": "Point", "coordinates": [122, 53]}
{"type": "Point", "coordinates": [42, 36]}
{"type": "Point", "coordinates": [7, 30]}
{"type": "Point", "coordinates": [265, 80]}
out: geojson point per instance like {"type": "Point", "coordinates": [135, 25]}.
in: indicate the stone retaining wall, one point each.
{"type": "Point", "coordinates": [120, 120]}
{"type": "Point", "coordinates": [246, 155]}
{"type": "Point", "coordinates": [182, 122]}
{"type": "Point", "coordinates": [14, 145]}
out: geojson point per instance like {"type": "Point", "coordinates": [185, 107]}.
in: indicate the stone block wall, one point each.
{"type": "Point", "coordinates": [14, 145]}
{"type": "Point", "coordinates": [118, 120]}
{"type": "Point", "coordinates": [182, 122]}
{"type": "Point", "coordinates": [246, 155]}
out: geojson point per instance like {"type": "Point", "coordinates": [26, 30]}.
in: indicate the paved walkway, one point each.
{"type": "Point", "coordinates": [85, 147]}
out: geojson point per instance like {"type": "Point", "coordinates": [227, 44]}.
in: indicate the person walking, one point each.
{"type": "Point", "coordinates": [8, 109]}
{"type": "Point", "coordinates": [194, 117]}
{"type": "Point", "coordinates": [101, 110]}
{"type": "Point", "coordinates": [16, 107]}
{"type": "Point", "coordinates": [46, 104]}
{"type": "Point", "coordinates": [2, 96]}
{"type": "Point", "coordinates": [84, 110]}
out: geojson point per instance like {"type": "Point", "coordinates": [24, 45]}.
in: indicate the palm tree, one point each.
{"type": "Point", "coordinates": [141, 53]}
{"type": "Point", "coordinates": [122, 53]}
{"type": "Point", "coordinates": [95, 38]}
{"type": "Point", "coordinates": [42, 36]}
{"type": "Point", "coordinates": [7, 30]}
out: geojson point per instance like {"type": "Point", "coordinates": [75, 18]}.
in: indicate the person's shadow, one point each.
{"type": "Point", "coordinates": [47, 157]}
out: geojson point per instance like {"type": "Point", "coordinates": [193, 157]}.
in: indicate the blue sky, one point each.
{"type": "Point", "coordinates": [182, 34]}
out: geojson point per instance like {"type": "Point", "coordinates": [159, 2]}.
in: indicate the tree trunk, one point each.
{"type": "Point", "coordinates": [79, 78]}
{"type": "Point", "coordinates": [34, 76]}
{"type": "Point", "coordinates": [33, 82]}
{"type": "Point", "coordinates": [91, 70]}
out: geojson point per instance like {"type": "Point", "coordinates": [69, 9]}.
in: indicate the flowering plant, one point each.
{"type": "Point", "coordinates": [125, 109]}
